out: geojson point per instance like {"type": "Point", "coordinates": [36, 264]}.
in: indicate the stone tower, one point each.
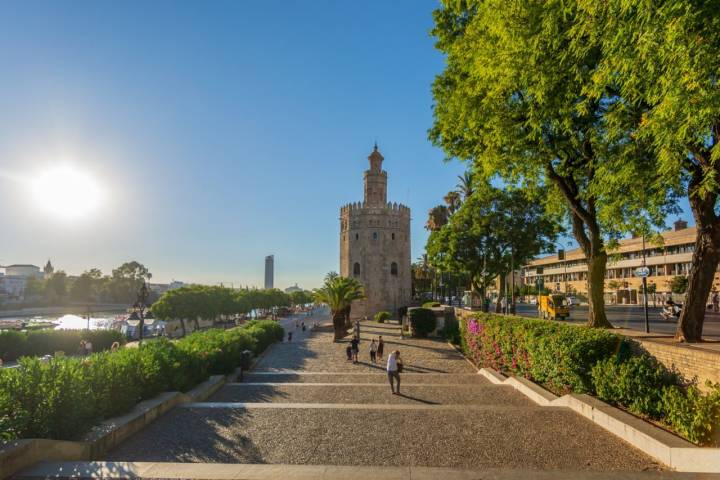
{"type": "Point", "coordinates": [375, 245]}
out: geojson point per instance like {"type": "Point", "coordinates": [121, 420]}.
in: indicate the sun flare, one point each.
{"type": "Point", "coordinates": [66, 193]}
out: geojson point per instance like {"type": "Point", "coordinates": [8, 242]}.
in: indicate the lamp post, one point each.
{"type": "Point", "coordinates": [644, 284]}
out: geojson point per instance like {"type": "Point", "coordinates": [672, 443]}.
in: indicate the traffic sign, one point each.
{"type": "Point", "coordinates": [642, 272]}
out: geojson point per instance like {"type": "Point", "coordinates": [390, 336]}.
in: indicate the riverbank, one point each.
{"type": "Point", "coordinates": [77, 309]}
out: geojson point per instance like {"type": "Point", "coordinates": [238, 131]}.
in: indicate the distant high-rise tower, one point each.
{"type": "Point", "coordinates": [269, 271]}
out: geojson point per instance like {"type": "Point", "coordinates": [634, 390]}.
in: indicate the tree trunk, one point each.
{"type": "Point", "coordinates": [339, 325]}
{"type": "Point", "coordinates": [182, 325]}
{"type": "Point", "coordinates": [596, 287]}
{"type": "Point", "coordinates": [501, 294]}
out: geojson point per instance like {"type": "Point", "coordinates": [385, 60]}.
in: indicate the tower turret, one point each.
{"type": "Point", "coordinates": [375, 180]}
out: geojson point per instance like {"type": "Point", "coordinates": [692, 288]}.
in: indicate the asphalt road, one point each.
{"type": "Point", "coordinates": [631, 317]}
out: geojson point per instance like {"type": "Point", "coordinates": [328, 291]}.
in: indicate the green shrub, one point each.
{"type": "Point", "coordinates": [692, 414]}
{"type": "Point", "coordinates": [451, 330]}
{"type": "Point", "coordinates": [63, 397]}
{"type": "Point", "coordinates": [566, 358]}
{"type": "Point", "coordinates": [14, 345]}
{"type": "Point", "coordinates": [431, 304]}
{"type": "Point", "coordinates": [636, 383]}
{"type": "Point", "coordinates": [380, 317]}
{"type": "Point", "coordinates": [423, 321]}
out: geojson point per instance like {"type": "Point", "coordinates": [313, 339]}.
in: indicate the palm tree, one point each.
{"type": "Point", "coordinates": [437, 218]}
{"type": "Point", "coordinates": [465, 185]}
{"type": "Point", "coordinates": [453, 201]}
{"type": "Point", "coordinates": [339, 293]}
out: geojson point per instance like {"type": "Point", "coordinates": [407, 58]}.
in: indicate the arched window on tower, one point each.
{"type": "Point", "coordinates": [356, 269]}
{"type": "Point", "coordinates": [375, 236]}
{"type": "Point", "coordinates": [357, 236]}
{"type": "Point", "coordinates": [393, 269]}
{"type": "Point", "coordinates": [393, 236]}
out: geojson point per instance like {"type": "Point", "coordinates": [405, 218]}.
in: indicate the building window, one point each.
{"type": "Point", "coordinates": [357, 236]}
{"type": "Point", "coordinates": [393, 269]}
{"type": "Point", "coordinates": [356, 269]}
{"type": "Point", "coordinates": [393, 236]}
{"type": "Point", "coordinates": [374, 235]}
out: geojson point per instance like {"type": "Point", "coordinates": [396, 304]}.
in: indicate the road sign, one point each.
{"type": "Point", "coordinates": [642, 272]}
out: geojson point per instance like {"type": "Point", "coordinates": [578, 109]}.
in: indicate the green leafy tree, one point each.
{"type": "Point", "coordinates": [437, 218]}
{"type": "Point", "coordinates": [493, 231]}
{"type": "Point", "coordinates": [663, 55]}
{"type": "Point", "coordinates": [302, 297]}
{"type": "Point", "coordinates": [85, 288]}
{"type": "Point", "coordinates": [512, 100]}
{"type": "Point", "coordinates": [339, 293]}
{"type": "Point", "coordinates": [679, 284]}
{"type": "Point", "coordinates": [56, 286]}
{"type": "Point", "coordinates": [452, 199]}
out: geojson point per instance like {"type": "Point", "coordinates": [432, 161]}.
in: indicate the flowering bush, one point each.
{"type": "Point", "coordinates": [63, 397]}
{"type": "Point", "coordinates": [566, 358]}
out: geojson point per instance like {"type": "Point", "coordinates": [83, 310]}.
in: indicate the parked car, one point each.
{"type": "Point", "coordinates": [571, 301]}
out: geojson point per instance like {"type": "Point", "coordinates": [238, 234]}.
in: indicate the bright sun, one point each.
{"type": "Point", "coordinates": [66, 193]}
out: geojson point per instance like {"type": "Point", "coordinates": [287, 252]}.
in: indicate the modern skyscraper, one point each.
{"type": "Point", "coordinates": [269, 271]}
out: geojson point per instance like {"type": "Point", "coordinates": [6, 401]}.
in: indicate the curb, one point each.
{"type": "Point", "coordinates": [655, 442]}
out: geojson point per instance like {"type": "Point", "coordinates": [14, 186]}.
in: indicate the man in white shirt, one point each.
{"type": "Point", "coordinates": [393, 370]}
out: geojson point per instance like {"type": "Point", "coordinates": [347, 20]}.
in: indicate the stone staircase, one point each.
{"type": "Point", "coordinates": [306, 412]}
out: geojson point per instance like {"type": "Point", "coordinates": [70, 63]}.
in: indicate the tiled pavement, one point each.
{"type": "Point", "coordinates": [304, 404]}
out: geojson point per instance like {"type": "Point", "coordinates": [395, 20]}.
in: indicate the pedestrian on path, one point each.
{"type": "Point", "coordinates": [373, 351]}
{"type": "Point", "coordinates": [348, 351]}
{"type": "Point", "coordinates": [289, 336]}
{"type": "Point", "coordinates": [380, 348]}
{"type": "Point", "coordinates": [716, 302]}
{"type": "Point", "coordinates": [355, 343]}
{"type": "Point", "coordinates": [303, 326]}
{"type": "Point", "coordinates": [394, 367]}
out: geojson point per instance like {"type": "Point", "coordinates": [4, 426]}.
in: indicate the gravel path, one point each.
{"type": "Point", "coordinates": [318, 353]}
{"type": "Point", "coordinates": [531, 438]}
{"type": "Point", "coordinates": [449, 417]}
{"type": "Point", "coordinates": [378, 393]}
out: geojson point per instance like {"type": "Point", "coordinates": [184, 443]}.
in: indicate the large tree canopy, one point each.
{"type": "Point", "coordinates": [663, 58]}
{"type": "Point", "coordinates": [512, 100]}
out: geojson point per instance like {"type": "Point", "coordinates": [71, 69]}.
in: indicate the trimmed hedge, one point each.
{"type": "Point", "coordinates": [431, 304]}
{"type": "Point", "coordinates": [380, 317]}
{"type": "Point", "coordinates": [567, 358]}
{"type": "Point", "coordinates": [63, 397]}
{"type": "Point", "coordinates": [423, 321]}
{"type": "Point", "coordinates": [14, 344]}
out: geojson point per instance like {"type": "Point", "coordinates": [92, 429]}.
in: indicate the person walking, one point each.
{"type": "Point", "coordinates": [380, 348]}
{"type": "Point", "coordinates": [373, 351]}
{"type": "Point", "coordinates": [289, 336]}
{"type": "Point", "coordinates": [348, 351]}
{"type": "Point", "coordinates": [716, 302]}
{"type": "Point", "coordinates": [394, 367]}
{"type": "Point", "coordinates": [355, 344]}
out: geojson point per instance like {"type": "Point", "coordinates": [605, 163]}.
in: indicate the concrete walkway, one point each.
{"type": "Point", "coordinates": [307, 412]}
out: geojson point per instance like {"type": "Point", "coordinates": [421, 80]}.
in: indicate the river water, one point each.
{"type": "Point", "coordinates": [98, 321]}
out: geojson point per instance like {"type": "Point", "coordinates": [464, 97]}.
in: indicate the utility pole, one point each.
{"type": "Point", "coordinates": [512, 279]}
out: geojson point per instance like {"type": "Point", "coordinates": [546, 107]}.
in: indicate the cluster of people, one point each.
{"type": "Point", "coordinates": [377, 349]}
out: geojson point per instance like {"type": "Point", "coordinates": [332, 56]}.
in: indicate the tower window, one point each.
{"type": "Point", "coordinates": [356, 269]}
{"type": "Point", "coordinates": [374, 235]}
{"type": "Point", "coordinates": [357, 236]}
{"type": "Point", "coordinates": [393, 269]}
{"type": "Point", "coordinates": [393, 236]}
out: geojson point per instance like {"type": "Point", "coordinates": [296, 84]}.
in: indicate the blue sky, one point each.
{"type": "Point", "coordinates": [221, 131]}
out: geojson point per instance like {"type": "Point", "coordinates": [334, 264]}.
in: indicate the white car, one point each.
{"type": "Point", "coordinates": [572, 301]}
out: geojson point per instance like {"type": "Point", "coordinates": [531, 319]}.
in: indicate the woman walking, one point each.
{"type": "Point", "coordinates": [380, 348]}
{"type": "Point", "coordinates": [373, 351]}
{"type": "Point", "coordinates": [355, 349]}
{"type": "Point", "coordinates": [394, 367]}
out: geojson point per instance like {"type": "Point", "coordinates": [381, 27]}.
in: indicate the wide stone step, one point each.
{"type": "Point", "coordinates": [377, 393]}
{"type": "Point", "coordinates": [289, 376]}
{"type": "Point", "coordinates": [228, 471]}
{"type": "Point", "coordinates": [459, 437]}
